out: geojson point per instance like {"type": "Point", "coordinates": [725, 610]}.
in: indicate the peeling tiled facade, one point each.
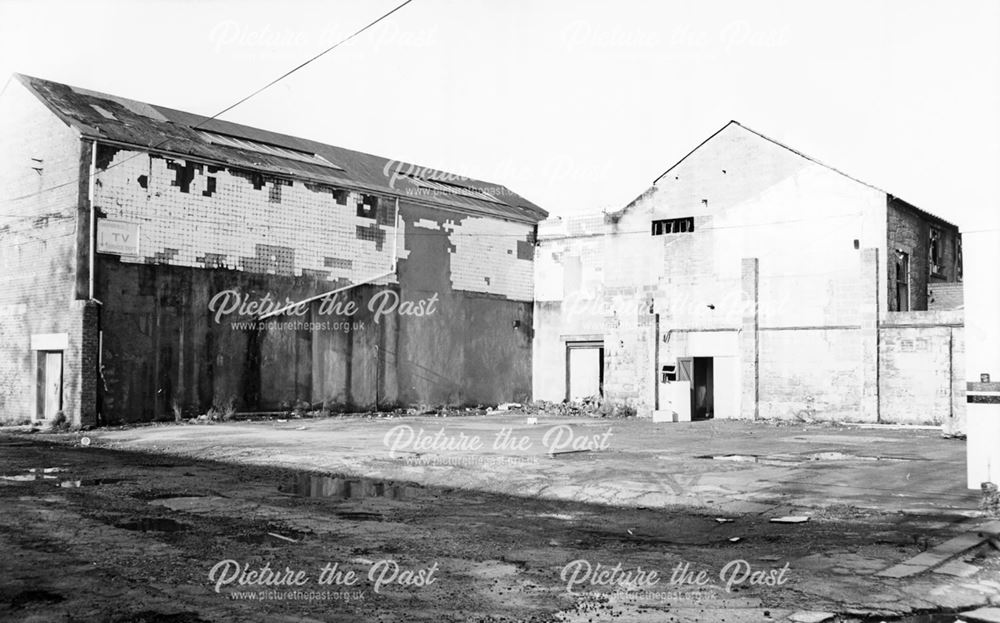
{"type": "Point", "coordinates": [768, 271]}
{"type": "Point", "coordinates": [200, 228]}
{"type": "Point", "coordinates": [304, 229]}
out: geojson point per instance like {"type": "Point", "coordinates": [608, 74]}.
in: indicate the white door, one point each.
{"type": "Point", "coordinates": [51, 385]}
{"type": "Point", "coordinates": [584, 371]}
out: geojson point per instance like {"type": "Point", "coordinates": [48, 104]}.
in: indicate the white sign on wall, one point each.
{"type": "Point", "coordinates": [117, 237]}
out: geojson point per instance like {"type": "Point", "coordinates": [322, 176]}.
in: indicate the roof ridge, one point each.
{"type": "Point", "coordinates": [801, 155]}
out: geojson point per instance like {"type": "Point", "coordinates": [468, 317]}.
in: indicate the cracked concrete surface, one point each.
{"type": "Point", "coordinates": [643, 500]}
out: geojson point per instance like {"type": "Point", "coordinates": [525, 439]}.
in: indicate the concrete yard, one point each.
{"type": "Point", "coordinates": [136, 520]}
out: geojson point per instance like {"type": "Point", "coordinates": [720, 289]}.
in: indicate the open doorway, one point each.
{"type": "Point", "coordinates": [700, 372]}
{"type": "Point", "coordinates": [584, 370]}
{"type": "Point", "coordinates": [50, 384]}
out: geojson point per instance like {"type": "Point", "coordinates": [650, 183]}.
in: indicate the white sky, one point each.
{"type": "Point", "coordinates": [577, 105]}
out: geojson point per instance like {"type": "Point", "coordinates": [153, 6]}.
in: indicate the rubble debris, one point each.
{"type": "Point", "coordinates": [592, 406]}
{"type": "Point", "coordinates": [990, 504]}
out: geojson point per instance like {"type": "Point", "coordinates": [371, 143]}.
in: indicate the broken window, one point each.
{"type": "Point", "coordinates": [664, 227]}
{"type": "Point", "coordinates": [902, 281]}
{"type": "Point", "coordinates": [935, 252]}
{"type": "Point", "coordinates": [958, 259]}
{"type": "Point", "coordinates": [368, 206]}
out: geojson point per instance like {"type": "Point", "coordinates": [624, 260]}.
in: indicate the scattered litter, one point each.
{"type": "Point", "coordinates": [724, 520]}
{"type": "Point", "coordinates": [362, 561]}
{"type": "Point", "coordinates": [734, 539]}
{"type": "Point", "coordinates": [507, 406]}
{"type": "Point", "coordinates": [790, 519]}
{"type": "Point", "coordinates": [990, 502]}
{"type": "Point", "coordinates": [300, 428]}
{"type": "Point", "coordinates": [532, 421]}
{"type": "Point", "coordinates": [84, 441]}
{"type": "Point", "coordinates": [555, 454]}
{"type": "Point", "coordinates": [281, 421]}
{"type": "Point", "coordinates": [282, 537]}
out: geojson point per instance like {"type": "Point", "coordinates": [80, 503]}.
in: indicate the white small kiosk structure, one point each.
{"type": "Point", "coordinates": [981, 250]}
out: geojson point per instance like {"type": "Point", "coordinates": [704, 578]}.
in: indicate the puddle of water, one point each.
{"type": "Point", "coordinates": [329, 487]}
{"type": "Point", "coordinates": [753, 458]}
{"type": "Point", "coordinates": [89, 482]}
{"type": "Point", "coordinates": [153, 524]}
{"type": "Point", "coordinates": [800, 459]}
{"type": "Point", "coordinates": [28, 477]}
{"type": "Point", "coordinates": [35, 473]}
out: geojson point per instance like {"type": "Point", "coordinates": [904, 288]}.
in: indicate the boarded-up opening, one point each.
{"type": "Point", "coordinates": [584, 370]}
{"type": "Point", "coordinates": [49, 384]}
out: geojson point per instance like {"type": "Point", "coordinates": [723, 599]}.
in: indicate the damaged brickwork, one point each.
{"type": "Point", "coordinates": [438, 315]}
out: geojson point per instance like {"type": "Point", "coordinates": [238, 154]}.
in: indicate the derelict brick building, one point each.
{"type": "Point", "coordinates": [140, 245]}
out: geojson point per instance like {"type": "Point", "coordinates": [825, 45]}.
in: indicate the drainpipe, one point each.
{"type": "Point", "coordinates": [93, 214]}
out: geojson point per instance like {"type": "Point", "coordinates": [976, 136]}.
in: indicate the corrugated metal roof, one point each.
{"type": "Point", "coordinates": [120, 120]}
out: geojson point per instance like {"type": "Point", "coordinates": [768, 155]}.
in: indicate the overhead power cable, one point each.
{"type": "Point", "coordinates": [241, 101]}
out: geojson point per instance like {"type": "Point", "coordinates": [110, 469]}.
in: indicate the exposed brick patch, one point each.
{"type": "Point", "coordinates": [337, 262]}
{"type": "Point", "coordinates": [271, 259]}
{"type": "Point", "coordinates": [372, 233]}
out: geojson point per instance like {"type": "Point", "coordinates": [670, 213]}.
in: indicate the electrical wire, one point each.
{"type": "Point", "coordinates": [231, 106]}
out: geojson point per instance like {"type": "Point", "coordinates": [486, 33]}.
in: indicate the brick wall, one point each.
{"type": "Point", "coordinates": [946, 296]}
{"type": "Point", "coordinates": [40, 191]}
{"type": "Point", "coordinates": [921, 369]}
{"type": "Point", "coordinates": [204, 230]}
{"type": "Point", "coordinates": [909, 231]}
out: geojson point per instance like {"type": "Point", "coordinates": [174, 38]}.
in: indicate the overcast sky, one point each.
{"type": "Point", "coordinates": [577, 105]}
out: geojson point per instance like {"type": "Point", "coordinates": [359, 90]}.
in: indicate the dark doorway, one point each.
{"type": "Point", "coordinates": [699, 371]}
{"type": "Point", "coordinates": [703, 389]}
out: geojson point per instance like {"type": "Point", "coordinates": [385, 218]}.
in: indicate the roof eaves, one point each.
{"type": "Point", "coordinates": [75, 124]}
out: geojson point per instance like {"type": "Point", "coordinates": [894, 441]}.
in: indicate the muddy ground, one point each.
{"type": "Point", "coordinates": [94, 534]}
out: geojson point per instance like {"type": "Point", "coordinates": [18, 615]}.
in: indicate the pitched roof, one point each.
{"type": "Point", "coordinates": [117, 120]}
{"type": "Point", "coordinates": [801, 155]}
